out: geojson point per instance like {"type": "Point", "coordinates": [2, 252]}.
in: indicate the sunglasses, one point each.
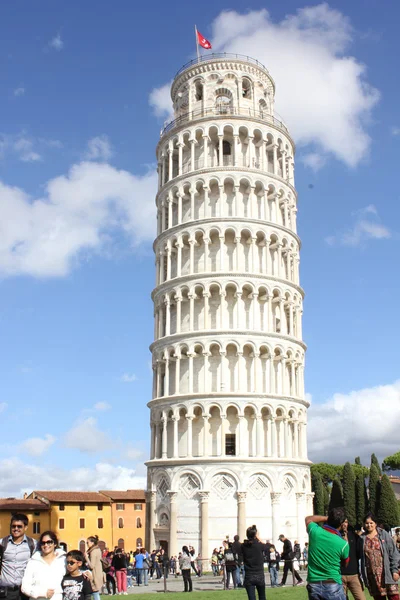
{"type": "Point", "coordinates": [47, 543]}
{"type": "Point", "coordinates": [71, 562]}
{"type": "Point", "coordinates": [17, 526]}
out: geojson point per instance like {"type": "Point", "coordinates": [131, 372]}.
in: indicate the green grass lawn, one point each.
{"type": "Point", "coordinates": [287, 593]}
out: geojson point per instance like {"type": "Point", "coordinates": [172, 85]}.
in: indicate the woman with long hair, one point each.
{"type": "Point", "coordinates": [45, 570]}
{"type": "Point", "coordinates": [379, 561]}
{"type": "Point", "coordinates": [93, 560]}
{"type": "Point", "coordinates": [185, 566]}
{"type": "Point", "coordinates": [253, 558]}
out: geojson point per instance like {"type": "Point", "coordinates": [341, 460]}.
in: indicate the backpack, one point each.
{"type": "Point", "coordinates": [105, 565]}
{"type": "Point", "coordinates": [31, 543]}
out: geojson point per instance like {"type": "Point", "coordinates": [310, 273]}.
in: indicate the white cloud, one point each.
{"type": "Point", "coordinates": [86, 436]}
{"type": "Point", "coordinates": [366, 227]}
{"type": "Point", "coordinates": [80, 212]}
{"type": "Point", "coordinates": [395, 131]}
{"type": "Point", "coordinates": [128, 377]}
{"type": "Point", "coordinates": [322, 91]}
{"type": "Point", "coordinates": [160, 100]}
{"type": "Point", "coordinates": [349, 425]}
{"type": "Point", "coordinates": [23, 146]}
{"type": "Point", "coordinates": [102, 406]}
{"type": "Point", "coordinates": [37, 446]}
{"type": "Point", "coordinates": [313, 160]}
{"type": "Point", "coordinates": [131, 453]}
{"type": "Point", "coordinates": [56, 43]}
{"type": "Point", "coordinates": [3, 406]}
{"type": "Point", "coordinates": [17, 477]}
{"type": "Point", "coordinates": [99, 148]}
{"type": "Point", "coordinates": [19, 91]}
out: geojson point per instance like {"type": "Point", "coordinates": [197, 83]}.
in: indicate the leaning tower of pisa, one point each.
{"type": "Point", "coordinates": [228, 414]}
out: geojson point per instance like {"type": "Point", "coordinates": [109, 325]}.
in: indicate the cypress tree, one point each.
{"type": "Point", "coordinates": [373, 488]}
{"type": "Point", "coordinates": [374, 461]}
{"type": "Point", "coordinates": [357, 460]}
{"type": "Point", "coordinates": [349, 493]}
{"type": "Point", "coordinates": [336, 500]}
{"type": "Point", "coordinates": [318, 489]}
{"type": "Point", "coordinates": [326, 500]}
{"type": "Point", "coordinates": [388, 512]}
{"type": "Point", "coordinates": [360, 499]}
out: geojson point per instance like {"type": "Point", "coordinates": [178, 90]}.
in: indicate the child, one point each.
{"type": "Point", "coordinates": [74, 585]}
{"type": "Point", "coordinates": [273, 565]}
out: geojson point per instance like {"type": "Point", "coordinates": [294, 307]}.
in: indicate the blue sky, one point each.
{"type": "Point", "coordinates": [82, 100]}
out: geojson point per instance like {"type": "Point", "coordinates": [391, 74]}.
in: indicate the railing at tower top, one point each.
{"type": "Point", "coordinates": [220, 55]}
{"type": "Point", "coordinates": [223, 110]}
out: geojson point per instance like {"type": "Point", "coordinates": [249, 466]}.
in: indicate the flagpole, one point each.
{"type": "Point", "coordinates": [197, 44]}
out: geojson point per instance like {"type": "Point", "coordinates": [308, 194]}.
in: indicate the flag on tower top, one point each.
{"type": "Point", "coordinates": [204, 43]}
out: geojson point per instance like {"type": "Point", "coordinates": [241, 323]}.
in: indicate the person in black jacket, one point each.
{"type": "Point", "coordinates": [253, 558]}
{"type": "Point", "coordinates": [287, 555]}
{"type": "Point", "coordinates": [237, 550]}
{"type": "Point", "coordinates": [350, 571]}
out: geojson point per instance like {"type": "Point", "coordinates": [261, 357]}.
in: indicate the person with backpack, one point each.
{"type": "Point", "coordinates": [231, 562]}
{"type": "Point", "coordinates": [17, 549]}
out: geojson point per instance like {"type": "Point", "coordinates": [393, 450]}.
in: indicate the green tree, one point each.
{"type": "Point", "coordinates": [375, 461]}
{"type": "Point", "coordinates": [392, 462]}
{"type": "Point", "coordinates": [373, 488]}
{"type": "Point", "coordinates": [388, 512]}
{"type": "Point", "coordinates": [336, 495]}
{"type": "Point", "coordinates": [361, 495]}
{"type": "Point", "coordinates": [357, 460]}
{"type": "Point", "coordinates": [326, 500]}
{"type": "Point", "coordinates": [349, 493]}
{"type": "Point", "coordinates": [318, 489]}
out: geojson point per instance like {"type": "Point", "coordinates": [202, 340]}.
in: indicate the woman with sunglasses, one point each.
{"type": "Point", "coordinates": [45, 570]}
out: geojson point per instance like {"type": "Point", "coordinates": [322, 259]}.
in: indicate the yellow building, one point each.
{"type": "Point", "coordinates": [74, 516]}
{"type": "Point", "coordinates": [38, 513]}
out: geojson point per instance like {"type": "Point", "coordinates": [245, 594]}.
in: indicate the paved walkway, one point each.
{"type": "Point", "coordinates": [175, 584]}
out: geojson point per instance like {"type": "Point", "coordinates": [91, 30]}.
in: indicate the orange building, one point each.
{"type": "Point", "coordinates": [128, 514]}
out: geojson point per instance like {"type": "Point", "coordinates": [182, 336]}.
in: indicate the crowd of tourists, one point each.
{"type": "Point", "coordinates": [339, 560]}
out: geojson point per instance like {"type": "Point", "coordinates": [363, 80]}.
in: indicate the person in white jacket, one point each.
{"type": "Point", "coordinates": [45, 570]}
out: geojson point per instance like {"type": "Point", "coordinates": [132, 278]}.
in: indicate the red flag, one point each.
{"type": "Point", "coordinates": [203, 42]}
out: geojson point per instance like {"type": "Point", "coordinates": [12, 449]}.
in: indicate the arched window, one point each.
{"type": "Point", "coordinates": [246, 88]}
{"type": "Point", "coordinates": [82, 546]}
{"type": "Point", "coordinates": [120, 523]}
{"type": "Point", "coordinates": [121, 543]}
{"type": "Point", "coordinates": [139, 543]}
{"type": "Point", "coordinates": [199, 90]}
{"type": "Point", "coordinates": [226, 148]}
{"type": "Point", "coordinates": [138, 522]}
{"type": "Point", "coordinates": [223, 100]}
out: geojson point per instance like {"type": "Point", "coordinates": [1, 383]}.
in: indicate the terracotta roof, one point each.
{"type": "Point", "coordinates": [22, 504]}
{"type": "Point", "coordinates": [127, 495]}
{"type": "Point", "coordinates": [54, 496]}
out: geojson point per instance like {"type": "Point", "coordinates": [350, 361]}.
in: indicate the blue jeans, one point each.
{"type": "Point", "coordinates": [325, 591]}
{"type": "Point", "coordinates": [96, 595]}
{"type": "Point", "coordinates": [273, 571]}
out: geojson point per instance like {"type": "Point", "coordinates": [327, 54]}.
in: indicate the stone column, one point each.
{"type": "Point", "coordinates": [274, 448]}
{"type": "Point", "coordinates": [173, 524]}
{"type": "Point", "coordinates": [235, 150]}
{"type": "Point", "coordinates": [275, 502]}
{"type": "Point", "coordinates": [177, 374]}
{"type": "Point", "coordinates": [205, 434]}
{"type": "Point", "coordinates": [241, 506]}
{"type": "Point", "coordinates": [180, 155]}
{"type": "Point", "coordinates": [167, 316]}
{"type": "Point", "coordinates": [192, 154]}
{"type": "Point", "coordinates": [205, 374]}
{"type": "Point", "coordinates": [221, 150]}
{"type": "Point", "coordinates": [166, 378]}
{"type": "Point", "coordinates": [191, 357]}
{"type": "Point", "coordinates": [151, 511]}
{"type": "Point", "coordinates": [175, 421]}
{"type": "Point", "coordinates": [189, 436]}
{"type": "Point", "coordinates": [238, 296]}
{"type": "Point", "coordinates": [296, 439]}
{"type": "Point", "coordinates": [191, 311]}
{"type": "Point", "coordinates": [206, 296]}
{"type": "Point", "coordinates": [204, 496]}
{"type": "Point", "coordinates": [164, 437]}
{"type": "Point", "coordinates": [205, 152]}
{"type": "Point", "coordinates": [178, 300]}
{"type": "Point", "coordinates": [170, 152]}
{"type": "Point", "coordinates": [192, 199]}
{"type": "Point", "coordinates": [275, 158]}
{"type": "Point", "coordinates": [259, 424]}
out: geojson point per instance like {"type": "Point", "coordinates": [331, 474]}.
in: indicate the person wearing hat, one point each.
{"type": "Point", "coordinates": [287, 555]}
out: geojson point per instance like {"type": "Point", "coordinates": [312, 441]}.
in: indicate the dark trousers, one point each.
{"type": "Point", "coordinates": [16, 595]}
{"type": "Point", "coordinates": [286, 569]}
{"type": "Point", "coordinates": [110, 582]}
{"type": "Point", "coordinates": [194, 567]}
{"type": "Point", "coordinates": [187, 580]}
{"type": "Point", "coordinates": [228, 578]}
{"type": "Point", "coordinates": [251, 591]}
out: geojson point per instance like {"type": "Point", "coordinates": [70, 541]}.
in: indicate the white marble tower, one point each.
{"type": "Point", "coordinates": [228, 413]}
